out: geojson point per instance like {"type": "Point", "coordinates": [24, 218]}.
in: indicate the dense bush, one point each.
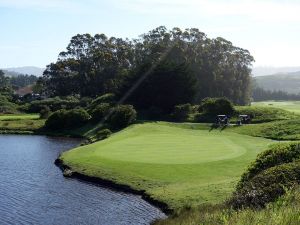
{"type": "Point", "coordinates": [277, 154]}
{"type": "Point", "coordinates": [54, 104]}
{"type": "Point", "coordinates": [102, 134]}
{"type": "Point", "coordinates": [106, 98]}
{"type": "Point", "coordinates": [273, 172]}
{"type": "Point", "coordinates": [85, 101]}
{"type": "Point", "coordinates": [100, 111]}
{"type": "Point", "coordinates": [181, 112]}
{"type": "Point", "coordinates": [65, 119]}
{"type": "Point", "coordinates": [6, 106]}
{"type": "Point", "coordinates": [45, 112]}
{"type": "Point", "coordinates": [267, 186]}
{"type": "Point", "coordinates": [122, 116]}
{"type": "Point", "coordinates": [215, 106]}
{"type": "Point", "coordinates": [204, 118]}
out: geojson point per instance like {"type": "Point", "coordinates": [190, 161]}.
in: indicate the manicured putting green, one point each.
{"type": "Point", "coordinates": [292, 106]}
{"type": "Point", "coordinates": [180, 164]}
{"type": "Point", "coordinates": [168, 145]}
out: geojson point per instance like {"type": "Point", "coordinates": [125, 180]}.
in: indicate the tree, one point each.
{"type": "Point", "coordinates": [96, 65]}
{"type": "Point", "coordinates": [91, 66]}
{"type": "Point", "coordinates": [5, 87]}
{"type": "Point", "coordinates": [166, 86]}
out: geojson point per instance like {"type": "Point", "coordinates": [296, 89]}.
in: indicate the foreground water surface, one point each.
{"type": "Point", "coordinates": [33, 190]}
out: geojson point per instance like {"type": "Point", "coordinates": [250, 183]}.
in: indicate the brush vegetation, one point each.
{"type": "Point", "coordinates": [284, 211]}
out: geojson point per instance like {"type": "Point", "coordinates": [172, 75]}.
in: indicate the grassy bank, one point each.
{"type": "Point", "coordinates": [279, 130]}
{"type": "Point", "coordinates": [32, 124]}
{"type": "Point", "coordinates": [292, 106]}
{"type": "Point", "coordinates": [286, 210]}
{"type": "Point", "coordinates": [20, 123]}
{"type": "Point", "coordinates": [179, 164]}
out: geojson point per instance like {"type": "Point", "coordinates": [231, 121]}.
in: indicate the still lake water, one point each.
{"type": "Point", "coordinates": [33, 190]}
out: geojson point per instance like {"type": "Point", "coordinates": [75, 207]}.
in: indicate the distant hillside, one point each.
{"type": "Point", "coordinates": [265, 70]}
{"type": "Point", "coordinates": [11, 73]}
{"type": "Point", "coordinates": [30, 70]}
{"type": "Point", "coordinates": [288, 82]}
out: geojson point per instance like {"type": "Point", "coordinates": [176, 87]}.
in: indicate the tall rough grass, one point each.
{"type": "Point", "coordinates": [285, 211]}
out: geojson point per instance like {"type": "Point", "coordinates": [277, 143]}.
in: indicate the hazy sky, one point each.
{"type": "Point", "coordinates": [33, 32]}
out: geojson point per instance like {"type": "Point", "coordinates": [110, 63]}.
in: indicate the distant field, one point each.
{"type": "Point", "coordinates": [292, 106]}
{"type": "Point", "coordinates": [19, 116]}
{"type": "Point", "coordinates": [180, 164]}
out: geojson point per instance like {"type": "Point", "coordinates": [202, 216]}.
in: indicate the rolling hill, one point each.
{"type": "Point", "coordinates": [30, 70]}
{"type": "Point", "coordinates": [288, 82]}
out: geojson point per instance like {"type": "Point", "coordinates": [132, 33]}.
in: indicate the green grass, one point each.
{"type": "Point", "coordinates": [285, 211]}
{"type": "Point", "coordinates": [292, 106]}
{"type": "Point", "coordinates": [262, 114]}
{"type": "Point", "coordinates": [20, 123]}
{"type": "Point", "coordinates": [29, 123]}
{"type": "Point", "coordinates": [279, 130]}
{"type": "Point", "coordinates": [179, 164]}
{"type": "Point", "coordinates": [19, 117]}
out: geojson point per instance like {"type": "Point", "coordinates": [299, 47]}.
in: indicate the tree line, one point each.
{"type": "Point", "coordinates": [16, 82]}
{"type": "Point", "coordinates": [260, 94]}
{"type": "Point", "coordinates": [158, 70]}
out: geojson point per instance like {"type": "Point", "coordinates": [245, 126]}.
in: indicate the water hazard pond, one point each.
{"type": "Point", "coordinates": [33, 190]}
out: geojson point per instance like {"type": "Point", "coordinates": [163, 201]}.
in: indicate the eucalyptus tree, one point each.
{"type": "Point", "coordinates": [94, 65]}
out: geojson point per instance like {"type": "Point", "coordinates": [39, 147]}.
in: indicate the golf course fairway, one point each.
{"type": "Point", "coordinates": [179, 164]}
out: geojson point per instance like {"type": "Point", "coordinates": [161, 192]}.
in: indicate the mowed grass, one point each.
{"type": "Point", "coordinates": [19, 117]}
{"type": "Point", "coordinates": [179, 164]}
{"type": "Point", "coordinates": [292, 106]}
{"type": "Point", "coordinates": [19, 123]}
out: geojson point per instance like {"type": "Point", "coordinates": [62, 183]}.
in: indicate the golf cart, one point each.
{"type": "Point", "coordinates": [244, 119]}
{"type": "Point", "coordinates": [222, 120]}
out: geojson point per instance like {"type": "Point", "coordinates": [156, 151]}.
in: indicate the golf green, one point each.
{"type": "Point", "coordinates": [180, 164]}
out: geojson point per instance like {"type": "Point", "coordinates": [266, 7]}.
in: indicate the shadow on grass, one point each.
{"type": "Point", "coordinates": [217, 127]}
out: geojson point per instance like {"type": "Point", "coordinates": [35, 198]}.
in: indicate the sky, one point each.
{"type": "Point", "coordinates": [33, 32]}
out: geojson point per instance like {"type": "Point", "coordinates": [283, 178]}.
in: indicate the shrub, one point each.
{"type": "Point", "coordinates": [275, 155]}
{"type": "Point", "coordinates": [273, 172]}
{"type": "Point", "coordinates": [215, 106]}
{"type": "Point", "coordinates": [267, 186]}
{"type": "Point", "coordinates": [100, 111]}
{"type": "Point", "coordinates": [106, 98]}
{"type": "Point", "coordinates": [204, 118]}
{"type": "Point", "coordinates": [122, 116]}
{"type": "Point", "coordinates": [85, 101]}
{"type": "Point", "coordinates": [102, 134]}
{"type": "Point", "coordinates": [6, 106]}
{"type": "Point", "coordinates": [181, 112]}
{"type": "Point", "coordinates": [54, 104]}
{"type": "Point", "coordinates": [65, 119]}
{"type": "Point", "coordinates": [45, 112]}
